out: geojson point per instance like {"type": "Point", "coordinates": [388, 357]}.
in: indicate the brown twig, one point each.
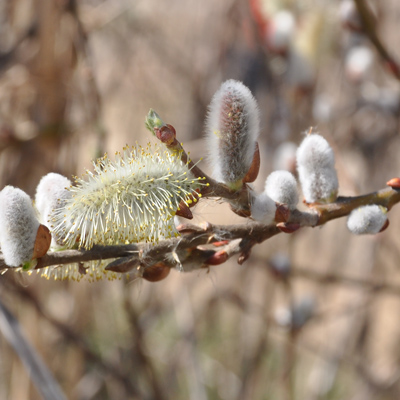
{"type": "Point", "coordinates": [368, 23]}
{"type": "Point", "coordinates": [250, 234]}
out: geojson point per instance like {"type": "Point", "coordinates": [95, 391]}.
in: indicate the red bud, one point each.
{"type": "Point", "coordinates": [282, 213]}
{"type": "Point", "coordinates": [221, 243]}
{"type": "Point", "coordinates": [156, 272]}
{"type": "Point", "coordinates": [218, 258]}
{"type": "Point", "coordinates": [166, 134]}
{"type": "Point", "coordinates": [184, 211]}
{"type": "Point", "coordinates": [287, 227]}
{"type": "Point", "coordinates": [385, 226]}
{"type": "Point", "coordinates": [252, 173]}
{"type": "Point", "coordinates": [42, 242]}
{"type": "Point", "coordinates": [394, 183]}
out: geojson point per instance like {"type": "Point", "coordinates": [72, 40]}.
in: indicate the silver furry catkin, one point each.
{"type": "Point", "coordinates": [367, 220]}
{"type": "Point", "coordinates": [232, 130]}
{"type": "Point", "coordinates": [51, 194]}
{"type": "Point", "coordinates": [18, 227]}
{"type": "Point", "coordinates": [263, 208]}
{"type": "Point", "coordinates": [281, 186]}
{"type": "Point", "coordinates": [316, 168]}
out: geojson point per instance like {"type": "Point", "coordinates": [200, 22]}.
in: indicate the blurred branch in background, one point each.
{"type": "Point", "coordinates": [44, 381]}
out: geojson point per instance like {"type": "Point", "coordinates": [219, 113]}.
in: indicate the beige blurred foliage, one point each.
{"type": "Point", "coordinates": [77, 79]}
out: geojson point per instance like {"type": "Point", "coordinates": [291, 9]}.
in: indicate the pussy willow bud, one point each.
{"type": "Point", "coordinates": [263, 208]}
{"type": "Point", "coordinates": [232, 130]}
{"type": "Point", "coordinates": [367, 219]}
{"type": "Point", "coordinates": [18, 227]}
{"type": "Point", "coordinates": [281, 186]}
{"type": "Point", "coordinates": [280, 32]}
{"type": "Point", "coordinates": [316, 168]}
{"type": "Point", "coordinates": [358, 63]}
{"type": "Point", "coordinates": [52, 194]}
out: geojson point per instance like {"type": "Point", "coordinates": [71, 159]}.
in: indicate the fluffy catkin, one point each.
{"type": "Point", "coordinates": [18, 226]}
{"type": "Point", "coordinates": [281, 186]}
{"type": "Point", "coordinates": [263, 208]}
{"type": "Point", "coordinates": [232, 131]}
{"type": "Point", "coordinates": [131, 199]}
{"type": "Point", "coordinates": [316, 168]}
{"type": "Point", "coordinates": [367, 219]}
{"type": "Point", "coordinates": [52, 194]}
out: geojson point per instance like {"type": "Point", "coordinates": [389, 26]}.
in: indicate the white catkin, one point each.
{"type": "Point", "coordinates": [279, 37]}
{"type": "Point", "coordinates": [281, 186]}
{"type": "Point", "coordinates": [51, 194]}
{"type": "Point", "coordinates": [263, 208]}
{"type": "Point", "coordinates": [316, 169]}
{"type": "Point", "coordinates": [367, 219]}
{"type": "Point", "coordinates": [131, 199]}
{"type": "Point", "coordinates": [18, 226]}
{"type": "Point", "coordinates": [232, 131]}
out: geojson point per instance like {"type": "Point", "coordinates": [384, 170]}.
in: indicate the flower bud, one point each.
{"type": "Point", "coordinates": [358, 63]}
{"type": "Point", "coordinates": [18, 227]}
{"type": "Point", "coordinates": [263, 208]}
{"type": "Point", "coordinates": [281, 186]}
{"type": "Point", "coordinates": [316, 168]}
{"type": "Point", "coordinates": [233, 127]}
{"type": "Point", "coordinates": [51, 194]}
{"type": "Point", "coordinates": [280, 32]}
{"type": "Point", "coordinates": [367, 219]}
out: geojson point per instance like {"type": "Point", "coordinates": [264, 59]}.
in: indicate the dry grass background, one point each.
{"type": "Point", "coordinates": [77, 79]}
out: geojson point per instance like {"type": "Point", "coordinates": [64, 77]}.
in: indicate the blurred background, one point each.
{"type": "Point", "coordinates": [312, 315]}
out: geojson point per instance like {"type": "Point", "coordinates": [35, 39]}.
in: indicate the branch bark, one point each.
{"type": "Point", "coordinates": [189, 249]}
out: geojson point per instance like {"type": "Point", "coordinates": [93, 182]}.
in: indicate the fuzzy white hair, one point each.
{"type": "Point", "coordinates": [232, 130]}
{"type": "Point", "coordinates": [18, 226]}
{"type": "Point", "coordinates": [316, 169]}
{"type": "Point", "coordinates": [367, 219]}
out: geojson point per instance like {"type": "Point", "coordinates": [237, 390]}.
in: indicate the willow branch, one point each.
{"type": "Point", "coordinates": [189, 247]}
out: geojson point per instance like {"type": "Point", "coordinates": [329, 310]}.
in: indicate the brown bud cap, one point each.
{"type": "Point", "coordinates": [217, 258]}
{"type": "Point", "coordinates": [287, 227]}
{"type": "Point", "coordinates": [156, 272]}
{"type": "Point", "coordinates": [166, 134]}
{"type": "Point", "coordinates": [42, 242]}
{"type": "Point", "coordinates": [252, 173]}
{"type": "Point", "coordinates": [184, 211]}
{"type": "Point", "coordinates": [385, 226]}
{"type": "Point", "coordinates": [282, 213]}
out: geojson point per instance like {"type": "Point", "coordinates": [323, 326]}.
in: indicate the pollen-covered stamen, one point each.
{"type": "Point", "coordinates": [131, 199]}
